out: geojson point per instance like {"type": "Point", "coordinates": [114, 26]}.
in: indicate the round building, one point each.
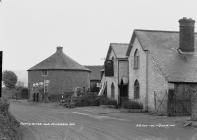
{"type": "Point", "coordinates": [56, 75]}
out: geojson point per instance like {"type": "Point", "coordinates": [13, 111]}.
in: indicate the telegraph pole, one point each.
{"type": "Point", "coordinates": [1, 57]}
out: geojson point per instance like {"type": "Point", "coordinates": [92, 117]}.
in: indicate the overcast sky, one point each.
{"type": "Point", "coordinates": [30, 30]}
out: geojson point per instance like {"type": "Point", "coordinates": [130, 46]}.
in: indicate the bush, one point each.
{"type": "Point", "coordinates": [8, 93]}
{"type": "Point", "coordinates": [132, 105]}
{"type": "Point", "coordinates": [58, 97]}
{"type": "Point", "coordinates": [9, 127]}
{"type": "Point", "coordinates": [88, 99]}
{"type": "Point", "coordinates": [4, 105]}
{"type": "Point", "coordinates": [54, 97]}
{"type": "Point", "coordinates": [106, 101]}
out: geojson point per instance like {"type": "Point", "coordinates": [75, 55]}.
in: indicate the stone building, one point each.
{"type": "Point", "coordinates": [163, 68]}
{"type": "Point", "coordinates": [157, 69]}
{"type": "Point", "coordinates": [56, 75]}
{"type": "Point", "coordinates": [116, 72]}
{"type": "Point", "coordinates": [95, 77]}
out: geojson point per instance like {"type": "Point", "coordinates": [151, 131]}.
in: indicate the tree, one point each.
{"type": "Point", "coordinates": [9, 79]}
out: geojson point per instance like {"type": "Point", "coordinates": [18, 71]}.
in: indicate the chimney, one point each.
{"type": "Point", "coordinates": [186, 35]}
{"type": "Point", "coordinates": [59, 49]}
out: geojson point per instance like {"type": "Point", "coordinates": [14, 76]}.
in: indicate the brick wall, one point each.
{"type": "Point", "coordinates": [60, 80]}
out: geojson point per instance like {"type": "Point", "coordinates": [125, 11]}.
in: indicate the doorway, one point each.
{"type": "Point", "coordinates": [123, 89]}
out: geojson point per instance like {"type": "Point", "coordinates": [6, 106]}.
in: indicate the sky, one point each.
{"type": "Point", "coordinates": [30, 30]}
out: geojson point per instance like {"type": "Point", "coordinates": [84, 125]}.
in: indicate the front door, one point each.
{"type": "Point", "coordinates": [123, 93]}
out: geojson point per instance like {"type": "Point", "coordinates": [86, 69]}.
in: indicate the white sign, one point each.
{"type": "Point", "coordinates": [46, 81]}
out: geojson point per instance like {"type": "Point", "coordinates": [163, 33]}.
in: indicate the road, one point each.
{"type": "Point", "coordinates": [52, 122]}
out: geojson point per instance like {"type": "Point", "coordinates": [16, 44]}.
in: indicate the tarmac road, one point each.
{"type": "Point", "coordinates": [50, 122]}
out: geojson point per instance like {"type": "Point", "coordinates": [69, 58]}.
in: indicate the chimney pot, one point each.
{"type": "Point", "coordinates": [59, 49]}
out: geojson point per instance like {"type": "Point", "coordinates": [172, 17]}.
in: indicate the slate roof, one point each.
{"type": "Point", "coordinates": [163, 48]}
{"type": "Point", "coordinates": [119, 49]}
{"type": "Point", "coordinates": [95, 72]}
{"type": "Point", "coordinates": [59, 61]}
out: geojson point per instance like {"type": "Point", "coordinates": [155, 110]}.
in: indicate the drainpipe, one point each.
{"type": "Point", "coordinates": [147, 83]}
{"type": "Point", "coordinates": [118, 85]}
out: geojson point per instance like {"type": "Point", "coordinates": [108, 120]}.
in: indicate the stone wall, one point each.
{"type": "Point", "coordinates": [150, 81]}
{"type": "Point", "coordinates": [60, 80]}
{"type": "Point", "coordinates": [113, 79]}
{"type": "Point", "coordinates": [137, 74]}
{"type": "Point", "coordinates": [156, 84]}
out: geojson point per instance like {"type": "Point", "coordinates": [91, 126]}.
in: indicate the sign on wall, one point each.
{"type": "Point", "coordinates": [109, 68]}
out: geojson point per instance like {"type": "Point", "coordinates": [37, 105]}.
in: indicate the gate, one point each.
{"type": "Point", "coordinates": [160, 101]}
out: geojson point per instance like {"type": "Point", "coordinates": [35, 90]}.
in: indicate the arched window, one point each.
{"type": "Point", "coordinates": [136, 90]}
{"type": "Point", "coordinates": [136, 59]}
{"type": "Point", "coordinates": [112, 91]}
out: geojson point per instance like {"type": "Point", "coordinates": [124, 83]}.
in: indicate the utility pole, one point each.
{"type": "Point", "coordinates": [1, 58]}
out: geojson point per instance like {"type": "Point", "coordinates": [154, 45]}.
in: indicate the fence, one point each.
{"type": "Point", "coordinates": [172, 103]}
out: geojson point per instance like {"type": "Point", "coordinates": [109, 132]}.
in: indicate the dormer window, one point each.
{"type": "Point", "coordinates": [136, 59]}
{"type": "Point", "coordinates": [44, 72]}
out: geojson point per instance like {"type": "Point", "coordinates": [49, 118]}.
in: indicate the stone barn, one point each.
{"type": "Point", "coordinates": [58, 74]}
{"type": "Point", "coordinates": [163, 68]}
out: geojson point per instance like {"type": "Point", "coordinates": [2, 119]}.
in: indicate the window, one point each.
{"type": "Point", "coordinates": [136, 59]}
{"type": "Point", "coordinates": [136, 90]}
{"type": "Point", "coordinates": [44, 72]}
{"type": "Point", "coordinates": [112, 91]}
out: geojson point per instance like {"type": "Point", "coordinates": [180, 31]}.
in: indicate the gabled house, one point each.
{"type": "Point", "coordinates": [163, 68]}
{"type": "Point", "coordinates": [116, 72]}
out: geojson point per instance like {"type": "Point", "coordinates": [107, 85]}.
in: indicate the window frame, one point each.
{"type": "Point", "coordinates": [45, 72]}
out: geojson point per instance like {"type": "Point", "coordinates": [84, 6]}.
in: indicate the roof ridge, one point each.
{"type": "Point", "coordinates": [120, 43]}
{"type": "Point", "coordinates": [146, 30]}
{"type": "Point", "coordinates": [97, 66]}
{"type": "Point", "coordinates": [165, 31]}
{"type": "Point", "coordinates": [59, 61]}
